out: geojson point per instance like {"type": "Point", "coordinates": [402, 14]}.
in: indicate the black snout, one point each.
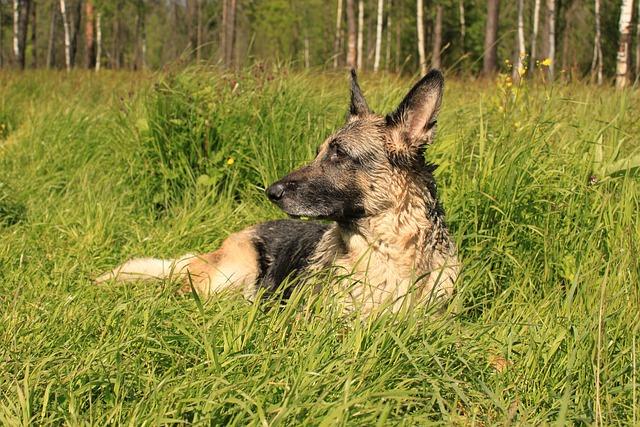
{"type": "Point", "coordinates": [276, 191]}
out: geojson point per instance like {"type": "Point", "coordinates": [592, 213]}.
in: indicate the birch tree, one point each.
{"type": "Point", "coordinates": [436, 48]}
{"type": "Point", "coordinates": [490, 60]}
{"type": "Point", "coordinates": [67, 35]}
{"type": "Point", "coordinates": [98, 40]}
{"type": "Point", "coordinates": [551, 38]}
{"type": "Point", "coordinates": [534, 36]}
{"type": "Point", "coordinates": [376, 59]}
{"type": "Point", "coordinates": [351, 35]}
{"type": "Point", "coordinates": [420, 28]}
{"type": "Point", "coordinates": [21, 14]}
{"type": "Point", "coordinates": [623, 59]}
{"type": "Point", "coordinates": [463, 26]}
{"type": "Point", "coordinates": [359, 64]}
{"type": "Point", "coordinates": [518, 63]}
{"type": "Point", "coordinates": [597, 63]}
{"type": "Point", "coordinates": [16, 18]}
{"type": "Point", "coordinates": [337, 41]}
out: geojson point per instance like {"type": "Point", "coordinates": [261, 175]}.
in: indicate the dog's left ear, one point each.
{"type": "Point", "coordinates": [415, 117]}
{"type": "Point", "coordinates": [358, 107]}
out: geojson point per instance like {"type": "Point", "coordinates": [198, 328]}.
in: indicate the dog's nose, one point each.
{"type": "Point", "coordinates": [275, 191]}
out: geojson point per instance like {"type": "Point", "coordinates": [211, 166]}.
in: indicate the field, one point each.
{"type": "Point", "coordinates": [540, 191]}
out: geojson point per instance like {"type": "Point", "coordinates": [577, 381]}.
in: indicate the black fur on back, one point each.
{"type": "Point", "coordinates": [284, 248]}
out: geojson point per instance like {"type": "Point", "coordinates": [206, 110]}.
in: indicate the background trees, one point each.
{"type": "Point", "coordinates": [561, 38]}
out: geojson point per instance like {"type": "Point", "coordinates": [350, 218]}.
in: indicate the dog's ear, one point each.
{"type": "Point", "coordinates": [415, 118]}
{"type": "Point", "coordinates": [358, 107]}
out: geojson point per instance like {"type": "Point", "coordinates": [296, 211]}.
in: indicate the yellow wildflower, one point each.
{"type": "Point", "coordinates": [230, 161]}
{"type": "Point", "coordinates": [546, 62]}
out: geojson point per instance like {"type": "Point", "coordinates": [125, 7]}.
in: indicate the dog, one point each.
{"type": "Point", "coordinates": [378, 222]}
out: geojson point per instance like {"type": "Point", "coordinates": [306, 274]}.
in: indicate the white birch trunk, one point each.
{"type": "Point", "coordinates": [359, 64]}
{"type": "Point", "coordinates": [463, 25]}
{"type": "Point", "coordinates": [98, 40]}
{"type": "Point", "coordinates": [376, 60]}
{"type": "Point", "coordinates": [16, 18]}
{"type": "Point", "coordinates": [420, 25]}
{"type": "Point", "coordinates": [534, 36]}
{"type": "Point", "coordinates": [596, 64]}
{"type": "Point", "coordinates": [518, 64]}
{"type": "Point", "coordinates": [551, 16]}
{"type": "Point", "coordinates": [623, 63]}
{"type": "Point", "coordinates": [336, 43]}
{"type": "Point", "coordinates": [67, 37]}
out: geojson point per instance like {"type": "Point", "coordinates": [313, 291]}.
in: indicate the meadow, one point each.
{"type": "Point", "coordinates": [541, 191]}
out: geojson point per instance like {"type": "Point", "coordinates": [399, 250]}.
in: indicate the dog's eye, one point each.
{"type": "Point", "coordinates": [337, 153]}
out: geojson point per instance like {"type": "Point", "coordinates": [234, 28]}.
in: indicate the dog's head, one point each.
{"type": "Point", "coordinates": [361, 168]}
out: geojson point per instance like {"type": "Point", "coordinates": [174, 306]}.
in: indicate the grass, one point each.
{"type": "Point", "coordinates": [98, 168]}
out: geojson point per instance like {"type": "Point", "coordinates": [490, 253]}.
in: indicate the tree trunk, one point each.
{"type": "Point", "coordinates": [518, 62]}
{"type": "Point", "coordinates": [420, 28]}
{"type": "Point", "coordinates": [223, 33]}
{"type": "Point", "coordinates": [231, 32]}
{"type": "Point", "coordinates": [67, 36]}
{"type": "Point", "coordinates": [98, 40]}
{"type": "Point", "coordinates": [51, 47]}
{"type": "Point", "coordinates": [351, 35]}
{"type": "Point", "coordinates": [551, 38]}
{"type": "Point", "coordinates": [198, 32]}
{"type": "Point", "coordinates": [306, 49]}
{"type": "Point", "coordinates": [141, 37]}
{"type": "Point", "coordinates": [638, 43]}
{"type": "Point", "coordinates": [623, 59]}
{"type": "Point", "coordinates": [376, 59]}
{"type": "Point", "coordinates": [16, 18]}
{"type": "Point", "coordinates": [436, 61]}
{"type": "Point", "coordinates": [387, 59]}
{"type": "Point", "coordinates": [336, 42]}
{"type": "Point", "coordinates": [359, 63]}
{"type": "Point", "coordinates": [191, 27]}
{"type": "Point", "coordinates": [463, 26]}
{"type": "Point", "coordinates": [490, 61]}
{"type": "Point", "coordinates": [89, 38]}
{"type": "Point", "coordinates": [399, 35]}
{"type": "Point", "coordinates": [34, 45]}
{"type": "Point", "coordinates": [1, 34]}
{"type": "Point", "coordinates": [569, 13]}
{"type": "Point", "coordinates": [21, 14]}
{"type": "Point", "coordinates": [77, 18]}
{"type": "Point", "coordinates": [534, 37]}
{"type": "Point", "coordinates": [597, 64]}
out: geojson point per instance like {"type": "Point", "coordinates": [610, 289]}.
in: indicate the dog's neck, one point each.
{"type": "Point", "coordinates": [409, 230]}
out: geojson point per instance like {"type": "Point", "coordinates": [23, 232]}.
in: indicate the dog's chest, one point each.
{"type": "Point", "coordinates": [376, 274]}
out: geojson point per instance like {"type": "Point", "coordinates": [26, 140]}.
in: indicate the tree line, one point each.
{"type": "Point", "coordinates": [551, 39]}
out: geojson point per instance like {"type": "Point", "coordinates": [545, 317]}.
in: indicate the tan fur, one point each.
{"type": "Point", "coordinates": [234, 266]}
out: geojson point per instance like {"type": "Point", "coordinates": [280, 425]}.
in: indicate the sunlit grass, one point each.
{"type": "Point", "coordinates": [96, 169]}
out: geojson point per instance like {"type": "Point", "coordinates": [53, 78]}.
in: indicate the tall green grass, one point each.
{"type": "Point", "coordinates": [94, 169]}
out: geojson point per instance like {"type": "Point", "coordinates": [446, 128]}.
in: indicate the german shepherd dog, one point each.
{"type": "Point", "coordinates": [384, 229]}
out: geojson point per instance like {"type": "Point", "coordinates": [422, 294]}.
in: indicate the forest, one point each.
{"type": "Point", "coordinates": [135, 128]}
{"type": "Point", "coordinates": [550, 39]}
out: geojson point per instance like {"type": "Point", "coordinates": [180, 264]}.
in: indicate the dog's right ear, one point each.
{"type": "Point", "coordinates": [358, 107]}
{"type": "Point", "coordinates": [415, 118]}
